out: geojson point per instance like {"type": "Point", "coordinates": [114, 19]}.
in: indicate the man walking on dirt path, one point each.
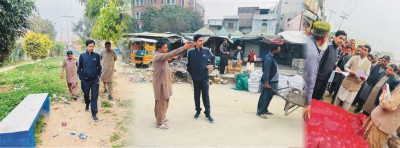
{"type": "Point", "coordinates": [70, 66]}
{"type": "Point", "coordinates": [108, 58]}
{"type": "Point", "coordinates": [89, 71]}
{"type": "Point", "coordinates": [198, 67]}
{"type": "Point", "coordinates": [269, 81]}
{"type": "Point", "coordinates": [162, 83]}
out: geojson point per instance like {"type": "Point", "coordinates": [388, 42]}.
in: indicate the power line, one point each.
{"type": "Point", "coordinates": [67, 16]}
{"type": "Point", "coordinates": [344, 16]}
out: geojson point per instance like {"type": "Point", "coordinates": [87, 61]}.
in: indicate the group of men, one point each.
{"type": "Point", "coordinates": [357, 79]}
{"type": "Point", "coordinates": [90, 68]}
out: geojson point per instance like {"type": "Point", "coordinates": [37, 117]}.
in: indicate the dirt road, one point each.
{"type": "Point", "coordinates": [236, 123]}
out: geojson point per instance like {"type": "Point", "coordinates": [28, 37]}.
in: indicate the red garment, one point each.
{"type": "Point", "coordinates": [251, 58]}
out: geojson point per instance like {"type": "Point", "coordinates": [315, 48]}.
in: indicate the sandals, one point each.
{"type": "Point", "coordinates": [163, 126]}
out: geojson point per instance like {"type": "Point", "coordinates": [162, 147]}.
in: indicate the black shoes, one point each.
{"type": "Point", "coordinates": [110, 97]}
{"type": "Point", "coordinates": [87, 107]}
{"type": "Point", "coordinates": [210, 119]}
{"type": "Point", "coordinates": [269, 113]}
{"type": "Point", "coordinates": [197, 115]}
{"type": "Point", "coordinates": [95, 118]}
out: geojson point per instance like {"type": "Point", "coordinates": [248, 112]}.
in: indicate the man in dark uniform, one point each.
{"type": "Point", "coordinates": [198, 67]}
{"type": "Point", "coordinates": [327, 64]}
{"type": "Point", "coordinates": [89, 71]}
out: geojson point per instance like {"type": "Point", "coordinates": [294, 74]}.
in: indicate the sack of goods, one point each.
{"type": "Point", "coordinates": [332, 126]}
{"type": "Point", "coordinates": [241, 81]}
{"type": "Point", "coordinates": [297, 82]}
{"type": "Point", "coordinates": [255, 81]}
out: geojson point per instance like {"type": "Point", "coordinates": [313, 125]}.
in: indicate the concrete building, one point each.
{"type": "Point", "coordinates": [231, 23]}
{"type": "Point", "coordinates": [286, 10]}
{"type": "Point", "coordinates": [215, 24]}
{"type": "Point", "coordinates": [139, 6]}
{"type": "Point", "coordinates": [265, 23]}
{"type": "Point", "coordinates": [246, 15]}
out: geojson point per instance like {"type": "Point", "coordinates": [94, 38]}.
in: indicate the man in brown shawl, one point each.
{"type": "Point", "coordinates": [108, 58]}
{"type": "Point", "coordinates": [384, 119]}
{"type": "Point", "coordinates": [162, 83]}
{"type": "Point", "coordinates": [70, 65]}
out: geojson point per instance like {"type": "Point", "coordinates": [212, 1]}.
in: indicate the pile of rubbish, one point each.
{"type": "Point", "coordinates": [141, 75]}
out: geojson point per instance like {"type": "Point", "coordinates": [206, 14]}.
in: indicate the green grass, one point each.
{"type": "Point", "coordinates": [105, 104]}
{"type": "Point", "coordinates": [115, 137]}
{"type": "Point", "coordinates": [125, 103]}
{"type": "Point", "coordinates": [40, 77]}
{"type": "Point", "coordinates": [39, 128]}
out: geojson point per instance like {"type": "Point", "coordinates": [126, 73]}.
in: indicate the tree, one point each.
{"type": "Point", "coordinates": [83, 28]}
{"type": "Point", "coordinates": [37, 45]}
{"type": "Point", "coordinates": [43, 26]}
{"type": "Point", "coordinates": [171, 19]}
{"type": "Point", "coordinates": [112, 21]}
{"type": "Point", "coordinates": [14, 22]}
{"type": "Point", "coordinates": [59, 48]}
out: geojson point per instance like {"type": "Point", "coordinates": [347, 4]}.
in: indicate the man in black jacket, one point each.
{"type": "Point", "coordinates": [327, 64]}
{"type": "Point", "coordinates": [89, 71]}
{"type": "Point", "coordinates": [198, 66]}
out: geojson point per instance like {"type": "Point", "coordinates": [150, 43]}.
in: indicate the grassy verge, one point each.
{"type": "Point", "coordinates": [40, 77]}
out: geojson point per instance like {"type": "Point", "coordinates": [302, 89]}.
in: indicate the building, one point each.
{"type": "Point", "coordinates": [215, 24]}
{"type": "Point", "coordinates": [246, 15]}
{"type": "Point", "coordinates": [264, 21]}
{"type": "Point", "coordinates": [287, 10]}
{"type": "Point", "coordinates": [231, 23]}
{"type": "Point", "coordinates": [139, 6]}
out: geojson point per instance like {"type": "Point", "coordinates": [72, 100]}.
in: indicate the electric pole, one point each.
{"type": "Point", "coordinates": [330, 16]}
{"type": "Point", "coordinates": [344, 16]}
{"type": "Point", "coordinates": [67, 16]}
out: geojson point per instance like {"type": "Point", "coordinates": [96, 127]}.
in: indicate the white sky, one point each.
{"type": "Point", "coordinates": [374, 21]}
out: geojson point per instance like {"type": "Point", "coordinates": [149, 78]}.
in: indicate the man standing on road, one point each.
{"type": "Point", "coordinates": [162, 83]}
{"type": "Point", "coordinates": [327, 64]}
{"type": "Point", "coordinates": [89, 71]}
{"type": "Point", "coordinates": [198, 67]}
{"type": "Point", "coordinates": [108, 58]}
{"type": "Point", "coordinates": [224, 53]}
{"type": "Point", "coordinates": [313, 46]}
{"type": "Point", "coordinates": [70, 66]}
{"type": "Point", "coordinates": [269, 81]}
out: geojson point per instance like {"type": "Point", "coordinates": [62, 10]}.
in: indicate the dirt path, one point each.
{"type": "Point", "coordinates": [111, 130]}
{"type": "Point", "coordinates": [4, 69]}
{"type": "Point", "coordinates": [236, 124]}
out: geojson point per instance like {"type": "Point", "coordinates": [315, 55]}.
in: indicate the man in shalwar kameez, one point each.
{"type": "Point", "coordinates": [352, 84]}
{"type": "Point", "coordinates": [70, 65]}
{"type": "Point", "coordinates": [108, 58]}
{"type": "Point", "coordinates": [162, 83]}
{"type": "Point", "coordinates": [384, 119]}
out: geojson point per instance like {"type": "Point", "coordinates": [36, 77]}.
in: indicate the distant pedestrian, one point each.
{"type": "Point", "coordinates": [70, 65]}
{"type": "Point", "coordinates": [224, 54]}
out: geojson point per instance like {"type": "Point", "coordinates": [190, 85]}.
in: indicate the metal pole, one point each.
{"type": "Point", "coordinates": [67, 16]}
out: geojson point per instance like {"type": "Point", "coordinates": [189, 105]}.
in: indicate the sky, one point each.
{"type": "Point", "coordinates": [55, 9]}
{"type": "Point", "coordinates": [374, 21]}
